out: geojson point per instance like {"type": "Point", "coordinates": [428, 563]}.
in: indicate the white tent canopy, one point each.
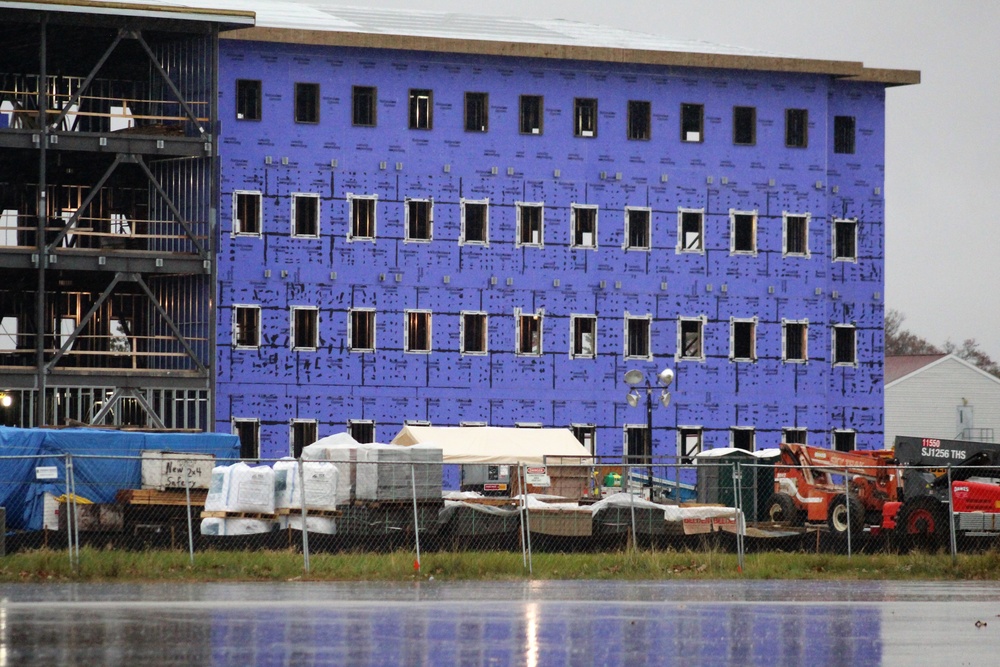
{"type": "Point", "coordinates": [494, 444]}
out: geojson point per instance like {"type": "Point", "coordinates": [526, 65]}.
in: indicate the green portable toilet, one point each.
{"type": "Point", "coordinates": [717, 486]}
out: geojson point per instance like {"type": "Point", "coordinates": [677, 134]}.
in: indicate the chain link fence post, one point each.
{"type": "Point", "coordinates": [738, 483]}
{"type": "Point", "coordinates": [305, 515]}
{"type": "Point", "coordinates": [847, 504]}
{"type": "Point", "coordinates": [187, 497]}
{"type": "Point", "coordinates": [952, 537]}
{"type": "Point", "coordinates": [416, 515]}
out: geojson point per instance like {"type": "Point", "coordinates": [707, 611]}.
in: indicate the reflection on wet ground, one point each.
{"type": "Point", "coordinates": [491, 623]}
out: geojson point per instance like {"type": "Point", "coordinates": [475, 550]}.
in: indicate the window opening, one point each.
{"type": "Point", "coordinates": [639, 120]}
{"type": "Point", "coordinates": [586, 435]}
{"type": "Point", "coordinates": [364, 106]}
{"type": "Point", "coordinates": [529, 224]}
{"type": "Point", "coordinates": [419, 219]}
{"type": "Point", "coordinates": [420, 109]}
{"type": "Point", "coordinates": [529, 334]}
{"type": "Point", "coordinates": [246, 213]}
{"type": "Point", "coordinates": [585, 113]}
{"type": "Point", "coordinates": [845, 240]}
{"type": "Point", "coordinates": [305, 215]}
{"type": "Point", "coordinates": [692, 122]}
{"type": "Point", "coordinates": [843, 134]}
{"type": "Point", "coordinates": [637, 337]}
{"type": "Point", "coordinates": [744, 232]}
{"type": "Point", "coordinates": [797, 235]}
{"type": "Point", "coordinates": [248, 431]}
{"type": "Point", "coordinates": [362, 430]}
{"type": "Point", "coordinates": [246, 326]}
{"type": "Point", "coordinates": [690, 443]}
{"type": "Point", "coordinates": [584, 328]}
{"type": "Point", "coordinates": [796, 128]}
{"type": "Point", "coordinates": [691, 339]}
{"type": "Point", "coordinates": [798, 436]}
{"type": "Point", "coordinates": [584, 226]}
{"type": "Point", "coordinates": [691, 237]}
{"type": "Point", "coordinates": [362, 218]}
{"type": "Point", "coordinates": [844, 440]}
{"type": "Point", "coordinates": [637, 222]}
{"type": "Point", "coordinates": [531, 114]}
{"type": "Point", "coordinates": [477, 112]}
{"type": "Point", "coordinates": [474, 333]}
{"type": "Point", "coordinates": [475, 221]}
{"type": "Point", "coordinates": [362, 332]}
{"type": "Point", "coordinates": [306, 102]}
{"type": "Point", "coordinates": [305, 328]}
{"type": "Point", "coordinates": [744, 126]}
{"type": "Point", "coordinates": [248, 99]}
{"type": "Point", "coordinates": [8, 334]}
{"type": "Point", "coordinates": [795, 339]}
{"type": "Point", "coordinates": [742, 437]}
{"type": "Point", "coordinates": [303, 433]}
{"type": "Point", "coordinates": [636, 444]}
{"type": "Point", "coordinates": [418, 331]}
{"type": "Point", "coordinates": [844, 344]}
{"type": "Point", "coordinates": [744, 340]}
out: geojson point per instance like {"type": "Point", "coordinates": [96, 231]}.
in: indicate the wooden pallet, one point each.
{"type": "Point", "coordinates": [295, 511]}
{"type": "Point", "coordinates": [155, 497]}
{"type": "Point", "coordinates": [395, 504]}
{"type": "Point", "coordinates": [237, 515]}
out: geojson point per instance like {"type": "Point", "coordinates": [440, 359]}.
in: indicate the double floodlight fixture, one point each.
{"type": "Point", "coordinates": [634, 378]}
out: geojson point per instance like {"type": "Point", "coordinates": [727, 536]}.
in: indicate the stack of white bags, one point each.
{"type": "Point", "coordinates": [239, 488]}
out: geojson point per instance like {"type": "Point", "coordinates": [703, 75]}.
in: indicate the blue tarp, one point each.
{"type": "Point", "coordinates": [97, 473]}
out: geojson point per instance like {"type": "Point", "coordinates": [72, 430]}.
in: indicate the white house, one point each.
{"type": "Point", "coordinates": [940, 396]}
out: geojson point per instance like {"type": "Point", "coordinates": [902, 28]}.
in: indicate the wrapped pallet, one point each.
{"type": "Point", "coordinates": [240, 488]}
{"type": "Point", "coordinates": [224, 527]}
{"type": "Point", "coordinates": [341, 451]}
{"type": "Point", "coordinates": [316, 524]}
{"type": "Point", "coordinates": [321, 482]}
{"type": "Point", "coordinates": [390, 473]}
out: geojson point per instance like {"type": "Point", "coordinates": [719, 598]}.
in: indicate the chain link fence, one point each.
{"type": "Point", "coordinates": [372, 500]}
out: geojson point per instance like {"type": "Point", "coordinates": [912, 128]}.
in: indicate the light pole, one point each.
{"type": "Point", "coordinates": [633, 379]}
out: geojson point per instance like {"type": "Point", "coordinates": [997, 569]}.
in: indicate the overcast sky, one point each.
{"type": "Point", "coordinates": [943, 136]}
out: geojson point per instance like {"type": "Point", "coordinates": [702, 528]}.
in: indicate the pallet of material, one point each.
{"type": "Point", "coordinates": [297, 511]}
{"type": "Point", "coordinates": [561, 522]}
{"type": "Point", "coordinates": [399, 504]}
{"type": "Point", "coordinates": [217, 514]}
{"type": "Point", "coordinates": [156, 497]}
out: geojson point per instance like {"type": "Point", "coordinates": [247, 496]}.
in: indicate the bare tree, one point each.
{"type": "Point", "coordinates": [900, 341]}
{"type": "Point", "coordinates": [970, 352]}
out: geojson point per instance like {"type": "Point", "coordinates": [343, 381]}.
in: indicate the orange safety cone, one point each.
{"type": "Point", "coordinates": [416, 565]}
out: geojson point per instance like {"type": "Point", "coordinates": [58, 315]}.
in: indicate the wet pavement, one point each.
{"type": "Point", "coordinates": [489, 623]}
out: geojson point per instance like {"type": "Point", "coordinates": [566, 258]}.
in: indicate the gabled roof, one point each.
{"type": "Point", "coordinates": [910, 365]}
{"type": "Point", "coordinates": [325, 23]}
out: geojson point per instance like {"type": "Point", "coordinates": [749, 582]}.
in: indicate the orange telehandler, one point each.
{"type": "Point", "coordinates": [804, 491]}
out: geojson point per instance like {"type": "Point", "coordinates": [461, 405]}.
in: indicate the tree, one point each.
{"type": "Point", "coordinates": [899, 341]}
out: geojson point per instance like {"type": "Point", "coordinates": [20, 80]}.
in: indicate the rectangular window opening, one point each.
{"type": "Point", "coordinates": [843, 134]}
{"type": "Point", "coordinates": [584, 331]}
{"type": "Point", "coordinates": [690, 441]}
{"type": "Point", "coordinates": [363, 104]}
{"type": "Point", "coordinates": [844, 440]}
{"type": "Point", "coordinates": [637, 223]}
{"type": "Point", "coordinates": [421, 109]}
{"type": "Point", "coordinates": [306, 102]}
{"type": "Point", "coordinates": [305, 328]}
{"type": "Point", "coordinates": [744, 340]}
{"type": "Point", "coordinates": [529, 224]}
{"type": "Point", "coordinates": [796, 436]}
{"type": "Point", "coordinates": [419, 219]}
{"type": "Point", "coordinates": [744, 232]}
{"type": "Point", "coordinates": [475, 222]}
{"type": "Point", "coordinates": [305, 215]}
{"type": "Point", "coordinates": [246, 326]}
{"type": "Point", "coordinates": [692, 122]}
{"type": "Point", "coordinates": [586, 435]}
{"type": "Point", "coordinates": [691, 339]}
{"type": "Point", "coordinates": [246, 213]}
{"type": "Point", "coordinates": [744, 126]}
{"type": "Point", "coordinates": [637, 337]}
{"type": "Point", "coordinates": [585, 115]}
{"type": "Point", "coordinates": [362, 430]}
{"type": "Point", "coordinates": [797, 235]}
{"type": "Point", "coordinates": [477, 112]}
{"type": "Point", "coordinates": [845, 240]}
{"type": "Point", "coordinates": [248, 99]}
{"type": "Point", "coordinates": [418, 331]}
{"type": "Point", "coordinates": [529, 334]}
{"type": "Point", "coordinates": [474, 333]}
{"type": "Point", "coordinates": [844, 345]}
{"type": "Point", "coordinates": [248, 431]}
{"type": "Point", "coordinates": [362, 218]}
{"type": "Point", "coordinates": [531, 114]}
{"type": "Point", "coordinates": [742, 437]}
{"type": "Point", "coordinates": [639, 120]}
{"type": "Point", "coordinates": [795, 338]}
{"type": "Point", "coordinates": [584, 226]}
{"type": "Point", "coordinates": [796, 128]}
{"type": "Point", "coordinates": [303, 434]}
{"type": "Point", "coordinates": [691, 235]}
{"type": "Point", "coordinates": [637, 445]}
{"type": "Point", "coordinates": [362, 333]}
